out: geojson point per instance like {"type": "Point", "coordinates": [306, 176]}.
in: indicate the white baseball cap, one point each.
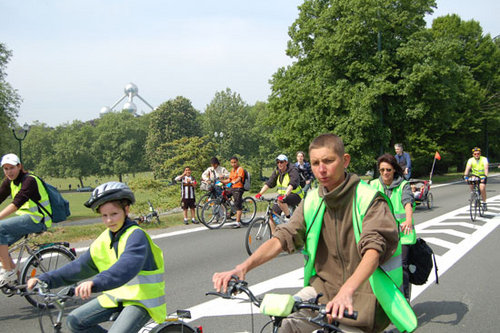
{"type": "Point", "coordinates": [282, 157]}
{"type": "Point", "coordinates": [11, 159]}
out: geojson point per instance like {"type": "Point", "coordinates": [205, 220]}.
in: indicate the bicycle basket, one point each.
{"type": "Point", "coordinates": [206, 187]}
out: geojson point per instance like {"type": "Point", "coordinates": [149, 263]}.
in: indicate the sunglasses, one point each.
{"type": "Point", "coordinates": [279, 162]}
{"type": "Point", "coordinates": [384, 170]}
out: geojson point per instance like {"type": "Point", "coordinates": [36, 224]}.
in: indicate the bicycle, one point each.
{"type": "Point", "coordinates": [475, 204]}
{"type": "Point", "coordinates": [42, 258]}
{"type": "Point", "coordinates": [211, 194]}
{"type": "Point", "coordinates": [216, 211]}
{"type": "Point", "coordinates": [152, 216]}
{"type": "Point", "coordinates": [236, 286]}
{"type": "Point", "coordinates": [260, 230]}
{"type": "Point", "coordinates": [48, 319]}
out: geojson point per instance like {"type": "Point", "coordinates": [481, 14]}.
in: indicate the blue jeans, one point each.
{"type": "Point", "coordinates": [15, 228]}
{"type": "Point", "coordinates": [87, 317]}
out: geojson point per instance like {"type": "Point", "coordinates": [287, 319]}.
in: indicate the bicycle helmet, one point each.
{"type": "Point", "coordinates": [109, 192]}
{"type": "Point", "coordinates": [476, 149]}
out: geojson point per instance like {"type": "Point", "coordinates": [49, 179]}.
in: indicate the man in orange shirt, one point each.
{"type": "Point", "coordinates": [235, 182]}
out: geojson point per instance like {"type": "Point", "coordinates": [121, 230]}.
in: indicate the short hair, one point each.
{"type": "Point", "coordinates": [120, 203]}
{"type": "Point", "coordinates": [390, 159]}
{"type": "Point", "coordinates": [328, 140]}
{"type": "Point", "coordinates": [187, 167]}
{"type": "Point", "coordinates": [214, 160]}
{"type": "Point", "coordinates": [301, 152]}
{"type": "Point", "coordinates": [398, 145]}
{"type": "Point", "coordinates": [234, 158]}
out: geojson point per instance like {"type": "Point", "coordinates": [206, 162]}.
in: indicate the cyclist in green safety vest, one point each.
{"type": "Point", "coordinates": [123, 263]}
{"type": "Point", "coordinates": [286, 179]}
{"type": "Point", "coordinates": [26, 190]}
{"type": "Point", "coordinates": [478, 166]}
{"type": "Point", "coordinates": [393, 184]}
{"type": "Point", "coordinates": [342, 256]}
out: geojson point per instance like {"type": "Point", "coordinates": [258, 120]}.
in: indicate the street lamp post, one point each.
{"type": "Point", "coordinates": [20, 134]}
{"type": "Point", "coordinates": [221, 135]}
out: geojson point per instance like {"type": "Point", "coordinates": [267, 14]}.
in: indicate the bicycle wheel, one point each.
{"type": "Point", "coordinates": [47, 320]}
{"type": "Point", "coordinates": [213, 214]}
{"type": "Point", "coordinates": [42, 261]}
{"type": "Point", "coordinates": [479, 205]}
{"type": "Point", "coordinates": [249, 209]}
{"type": "Point", "coordinates": [199, 206]}
{"type": "Point", "coordinates": [430, 200]}
{"type": "Point", "coordinates": [173, 327]}
{"type": "Point", "coordinates": [258, 232]}
{"type": "Point", "coordinates": [472, 206]}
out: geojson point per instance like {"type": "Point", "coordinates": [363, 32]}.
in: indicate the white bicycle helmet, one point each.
{"type": "Point", "coordinates": [109, 192]}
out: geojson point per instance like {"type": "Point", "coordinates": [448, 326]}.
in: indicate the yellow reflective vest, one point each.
{"type": "Point", "coordinates": [147, 289]}
{"type": "Point", "coordinates": [30, 207]}
{"type": "Point", "coordinates": [282, 185]}
{"type": "Point", "coordinates": [399, 210]}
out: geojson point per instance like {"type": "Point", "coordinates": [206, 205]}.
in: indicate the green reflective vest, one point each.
{"type": "Point", "coordinates": [281, 187]}
{"type": "Point", "coordinates": [387, 280]}
{"type": "Point", "coordinates": [399, 210]}
{"type": "Point", "coordinates": [30, 207]}
{"type": "Point", "coordinates": [147, 289]}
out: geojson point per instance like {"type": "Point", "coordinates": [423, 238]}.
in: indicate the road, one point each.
{"type": "Point", "coordinates": [464, 301]}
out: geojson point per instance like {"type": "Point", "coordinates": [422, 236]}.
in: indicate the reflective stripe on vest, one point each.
{"type": "Point", "coordinates": [314, 210]}
{"type": "Point", "coordinates": [399, 209]}
{"type": "Point", "coordinates": [477, 166]}
{"type": "Point", "coordinates": [281, 187]}
{"type": "Point", "coordinates": [147, 289]}
{"type": "Point", "coordinates": [30, 207]}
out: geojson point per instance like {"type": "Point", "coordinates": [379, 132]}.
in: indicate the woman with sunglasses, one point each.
{"type": "Point", "coordinates": [393, 184]}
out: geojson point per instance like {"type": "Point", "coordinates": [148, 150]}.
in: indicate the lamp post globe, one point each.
{"type": "Point", "coordinates": [20, 134]}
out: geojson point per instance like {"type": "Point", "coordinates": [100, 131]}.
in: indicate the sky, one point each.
{"type": "Point", "coordinates": [72, 58]}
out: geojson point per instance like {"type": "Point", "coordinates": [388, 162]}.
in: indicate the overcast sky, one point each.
{"type": "Point", "coordinates": [71, 58]}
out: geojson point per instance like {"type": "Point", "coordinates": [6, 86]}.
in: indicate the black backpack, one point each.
{"type": "Point", "coordinates": [421, 259]}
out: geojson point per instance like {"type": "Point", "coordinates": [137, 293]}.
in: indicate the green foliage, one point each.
{"type": "Point", "coordinates": [171, 121]}
{"type": "Point", "coordinates": [9, 104]}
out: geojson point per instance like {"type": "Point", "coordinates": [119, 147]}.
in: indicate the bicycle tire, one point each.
{"type": "Point", "coordinates": [42, 261]}
{"type": "Point", "coordinates": [430, 200]}
{"type": "Point", "coordinates": [472, 206]}
{"type": "Point", "coordinates": [249, 209]}
{"type": "Point", "coordinates": [479, 205]}
{"type": "Point", "coordinates": [213, 214]}
{"type": "Point", "coordinates": [199, 205]}
{"type": "Point", "coordinates": [173, 327]}
{"type": "Point", "coordinates": [47, 320]}
{"type": "Point", "coordinates": [258, 232]}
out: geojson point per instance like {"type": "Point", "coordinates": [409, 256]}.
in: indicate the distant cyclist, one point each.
{"type": "Point", "coordinates": [478, 166]}
{"type": "Point", "coordinates": [286, 178]}
{"type": "Point", "coordinates": [305, 172]}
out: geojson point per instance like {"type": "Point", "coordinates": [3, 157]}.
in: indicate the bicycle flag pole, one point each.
{"type": "Point", "coordinates": [436, 157]}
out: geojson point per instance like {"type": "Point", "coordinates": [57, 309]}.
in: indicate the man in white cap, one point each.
{"type": "Point", "coordinates": [286, 178]}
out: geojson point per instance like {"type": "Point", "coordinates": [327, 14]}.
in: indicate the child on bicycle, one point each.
{"type": "Point", "coordinates": [26, 191]}
{"type": "Point", "coordinates": [188, 184]}
{"type": "Point", "coordinates": [123, 263]}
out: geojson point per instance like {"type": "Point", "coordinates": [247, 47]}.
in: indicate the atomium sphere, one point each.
{"type": "Point", "coordinates": [131, 88]}
{"type": "Point", "coordinates": [105, 110]}
{"type": "Point", "coordinates": [130, 107]}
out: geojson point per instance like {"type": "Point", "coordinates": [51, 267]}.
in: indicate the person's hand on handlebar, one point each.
{"type": "Point", "coordinates": [221, 280]}
{"type": "Point", "coordinates": [258, 196]}
{"type": "Point", "coordinates": [32, 283]}
{"type": "Point", "coordinates": [342, 301]}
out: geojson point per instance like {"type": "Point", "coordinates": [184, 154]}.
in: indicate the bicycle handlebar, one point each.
{"type": "Point", "coordinates": [236, 286]}
{"type": "Point", "coordinates": [42, 289]}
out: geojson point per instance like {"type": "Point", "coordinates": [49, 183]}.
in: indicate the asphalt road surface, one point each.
{"type": "Point", "coordinates": [465, 300]}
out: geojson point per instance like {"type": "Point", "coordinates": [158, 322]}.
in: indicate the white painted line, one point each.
{"type": "Point", "coordinates": [444, 231]}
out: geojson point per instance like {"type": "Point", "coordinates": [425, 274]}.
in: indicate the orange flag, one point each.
{"type": "Point", "coordinates": [437, 156]}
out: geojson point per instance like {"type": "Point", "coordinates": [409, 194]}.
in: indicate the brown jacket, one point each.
{"type": "Point", "coordinates": [338, 255]}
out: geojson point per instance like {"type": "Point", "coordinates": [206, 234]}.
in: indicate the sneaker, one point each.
{"type": "Point", "coordinates": [8, 277]}
{"type": "Point", "coordinates": [485, 208]}
{"type": "Point", "coordinates": [237, 225]}
{"type": "Point", "coordinates": [194, 221]}
{"type": "Point", "coordinates": [186, 222]}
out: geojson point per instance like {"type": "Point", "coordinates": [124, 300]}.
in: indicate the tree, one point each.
{"type": "Point", "coordinates": [228, 113]}
{"type": "Point", "coordinates": [9, 103]}
{"type": "Point", "coordinates": [342, 81]}
{"type": "Point", "coordinates": [119, 144]}
{"type": "Point", "coordinates": [172, 120]}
